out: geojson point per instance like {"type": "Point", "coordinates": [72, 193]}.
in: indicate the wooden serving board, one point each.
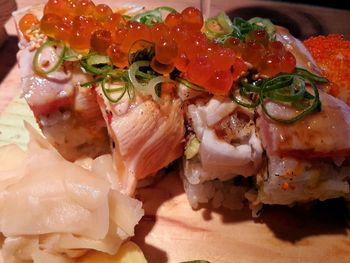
{"type": "Point", "coordinates": [172, 232]}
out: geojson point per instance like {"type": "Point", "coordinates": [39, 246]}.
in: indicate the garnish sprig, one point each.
{"type": "Point", "coordinates": [287, 89]}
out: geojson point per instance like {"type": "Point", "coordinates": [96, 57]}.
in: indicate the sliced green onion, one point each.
{"type": "Point", "coordinates": [94, 69]}
{"type": "Point", "coordinates": [243, 26]}
{"type": "Point", "coordinates": [132, 73]}
{"type": "Point", "coordinates": [225, 22]}
{"type": "Point", "coordinates": [264, 23]}
{"type": "Point", "coordinates": [298, 84]}
{"type": "Point", "coordinates": [117, 74]}
{"type": "Point", "coordinates": [72, 55]}
{"type": "Point", "coordinates": [145, 88]}
{"type": "Point", "coordinates": [310, 76]}
{"type": "Point", "coordinates": [234, 98]}
{"type": "Point", "coordinates": [249, 87]}
{"type": "Point", "coordinates": [131, 91]}
{"type": "Point", "coordinates": [152, 86]}
{"type": "Point", "coordinates": [89, 83]}
{"type": "Point", "coordinates": [112, 90]}
{"type": "Point", "coordinates": [149, 18]}
{"type": "Point", "coordinates": [278, 82]}
{"type": "Point", "coordinates": [315, 104]}
{"type": "Point", "coordinates": [153, 16]}
{"type": "Point", "coordinates": [287, 89]}
{"type": "Point", "coordinates": [97, 59]}
{"type": "Point", "coordinates": [38, 69]}
{"type": "Point", "coordinates": [106, 92]}
{"type": "Point", "coordinates": [213, 29]}
{"type": "Point", "coordinates": [144, 75]}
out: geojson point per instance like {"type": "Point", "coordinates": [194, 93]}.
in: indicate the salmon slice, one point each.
{"type": "Point", "coordinates": [146, 136]}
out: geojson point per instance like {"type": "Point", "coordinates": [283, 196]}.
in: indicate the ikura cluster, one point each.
{"type": "Point", "coordinates": [268, 57]}
{"type": "Point", "coordinates": [179, 42]}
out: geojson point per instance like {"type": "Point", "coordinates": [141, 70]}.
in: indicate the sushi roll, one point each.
{"type": "Point", "coordinates": [279, 138]}
{"type": "Point", "coordinates": [308, 160]}
{"type": "Point", "coordinates": [146, 135]}
{"type": "Point", "coordinates": [222, 153]}
{"type": "Point", "coordinates": [222, 94]}
{"type": "Point", "coordinates": [86, 93]}
{"type": "Point", "coordinates": [68, 115]}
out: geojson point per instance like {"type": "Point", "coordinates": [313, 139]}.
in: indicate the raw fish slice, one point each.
{"type": "Point", "coordinates": [322, 134]}
{"type": "Point", "coordinates": [228, 149]}
{"type": "Point", "coordinates": [289, 180]}
{"type": "Point", "coordinates": [303, 57]}
{"type": "Point", "coordinates": [307, 160]}
{"type": "Point", "coordinates": [146, 135]}
{"type": "Point", "coordinates": [68, 115]}
{"type": "Point", "coordinates": [219, 158]}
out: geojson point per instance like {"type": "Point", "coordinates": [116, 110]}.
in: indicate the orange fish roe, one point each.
{"type": "Point", "coordinates": [332, 54]}
{"type": "Point", "coordinates": [179, 43]}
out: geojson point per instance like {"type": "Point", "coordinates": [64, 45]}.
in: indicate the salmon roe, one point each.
{"type": "Point", "coordinates": [179, 43]}
{"type": "Point", "coordinates": [27, 23]}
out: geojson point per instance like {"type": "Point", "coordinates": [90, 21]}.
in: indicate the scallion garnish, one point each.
{"type": "Point", "coordinates": [311, 108]}
{"type": "Point", "coordinates": [307, 74]}
{"type": "Point", "coordinates": [89, 83]}
{"type": "Point", "coordinates": [287, 89]}
{"type": "Point", "coordinates": [106, 91]}
{"type": "Point", "coordinates": [220, 28]}
{"type": "Point", "coordinates": [154, 16]}
{"type": "Point", "coordinates": [72, 55]}
{"type": "Point", "coordinates": [38, 67]}
{"type": "Point", "coordinates": [225, 22]}
{"type": "Point", "coordinates": [95, 69]}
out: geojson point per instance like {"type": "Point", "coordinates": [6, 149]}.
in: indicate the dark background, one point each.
{"type": "Point", "coordinates": [345, 4]}
{"type": "Point", "coordinates": [303, 18]}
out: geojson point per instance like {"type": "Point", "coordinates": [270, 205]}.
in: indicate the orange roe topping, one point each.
{"type": "Point", "coordinates": [332, 54]}
{"type": "Point", "coordinates": [28, 22]}
{"type": "Point", "coordinates": [179, 43]}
